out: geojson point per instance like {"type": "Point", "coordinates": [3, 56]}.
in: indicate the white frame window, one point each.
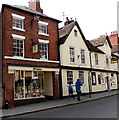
{"type": "Point", "coordinates": [43, 28]}
{"type": "Point", "coordinates": [18, 22]}
{"type": "Point", "coordinates": [72, 54]}
{"type": "Point", "coordinates": [69, 77]}
{"type": "Point", "coordinates": [82, 52]}
{"type": "Point", "coordinates": [18, 45]}
{"type": "Point", "coordinates": [112, 79]}
{"type": "Point", "coordinates": [93, 78]}
{"type": "Point", "coordinates": [43, 49]}
{"type": "Point", "coordinates": [34, 74]}
{"type": "Point", "coordinates": [96, 59]}
{"type": "Point", "coordinates": [81, 76]}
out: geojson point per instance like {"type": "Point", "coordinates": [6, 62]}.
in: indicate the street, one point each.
{"type": "Point", "coordinates": [102, 108]}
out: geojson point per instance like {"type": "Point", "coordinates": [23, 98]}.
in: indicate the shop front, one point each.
{"type": "Point", "coordinates": [34, 83]}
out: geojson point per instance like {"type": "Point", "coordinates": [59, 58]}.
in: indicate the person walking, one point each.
{"type": "Point", "coordinates": [70, 90]}
{"type": "Point", "coordinates": [78, 85]}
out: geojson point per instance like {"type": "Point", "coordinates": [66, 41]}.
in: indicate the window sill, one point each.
{"type": "Point", "coordinates": [43, 34]}
{"type": "Point", "coordinates": [43, 59]}
{"type": "Point", "coordinates": [15, 28]}
{"type": "Point", "coordinates": [83, 64]}
{"type": "Point", "coordinates": [29, 98]}
{"type": "Point", "coordinates": [17, 57]}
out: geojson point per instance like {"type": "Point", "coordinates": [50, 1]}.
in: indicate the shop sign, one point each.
{"type": "Point", "coordinates": [114, 60]}
{"type": "Point", "coordinates": [36, 68]}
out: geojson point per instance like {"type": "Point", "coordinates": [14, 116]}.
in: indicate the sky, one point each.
{"type": "Point", "coordinates": [95, 17]}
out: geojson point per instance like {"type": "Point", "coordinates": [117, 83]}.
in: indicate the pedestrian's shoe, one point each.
{"type": "Point", "coordinates": [78, 99]}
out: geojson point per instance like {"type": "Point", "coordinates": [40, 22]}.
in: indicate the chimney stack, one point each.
{"type": "Point", "coordinates": [68, 21]}
{"type": "Point", "coordinates": [35, 5]}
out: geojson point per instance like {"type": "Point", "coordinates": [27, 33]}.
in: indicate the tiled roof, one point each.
{"type": "Point", "coordinates": [115, 48]}
{"type": "Point", "coordinates": [65, 31]}
{"type": "Point", "coordinates": [26, 9]}
{"type": "Point", "coordinates": [93, 48]}
{"type": "Point", "coordinates": [98, 41]}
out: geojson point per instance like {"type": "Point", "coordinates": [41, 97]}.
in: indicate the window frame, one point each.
{"type": "Point", "coordinates": [71, 55]}
{"type": "Point", "coordinates": [45, 24]}
{"type": "Point", "coordinates": [80, 75]}
{"type": "Point", "coordinates": [46, 42]}
{"type": "Point", "coordinates": [84, 56]}
{"type": "Point", "coordinates": [93, 74]}
{"type": "Point", "coordinates": [18, 38]}
{"type": "Point", "coordinates": [18, 17]}
{"type": "Point", "coordinates": [96, 59]}
{"type": "Point", "coordinates": [70, 77]}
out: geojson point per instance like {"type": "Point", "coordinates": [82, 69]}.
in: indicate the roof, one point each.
{"type": "Point", "coordinates": [26, 9]}
{"type": "Point", "coordinates": [115, 48]}
{"type": "Point", "coordinates": [93, 48]}
{"type": "Point", "coordinates": [100, 41]}
{"type": "Point", "coordinates": [65, 31]}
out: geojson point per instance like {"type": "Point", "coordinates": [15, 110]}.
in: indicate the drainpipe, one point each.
{"type": "Point", "coordinates": [89, 76]}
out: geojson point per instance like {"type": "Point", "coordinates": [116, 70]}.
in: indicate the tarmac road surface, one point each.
{"type": "Point", "coordinates": [102, 108]}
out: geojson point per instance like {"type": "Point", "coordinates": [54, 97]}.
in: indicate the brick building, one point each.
{"type": "Point", "coordinates": [30, 54]}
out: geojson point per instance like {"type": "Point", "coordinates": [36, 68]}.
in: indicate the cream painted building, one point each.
{"type": "Point", "coordinates": [79, 59]}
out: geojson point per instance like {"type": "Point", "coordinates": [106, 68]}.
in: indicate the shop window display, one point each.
{"type": "Point", "coordinates": [33, 84]}
{"type": "Point", "coordinates": [19, 91]}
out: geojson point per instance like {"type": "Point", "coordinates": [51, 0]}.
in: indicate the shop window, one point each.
{"type": "Point", "coordinates": [93, 78]}
{"type": "Point", "coordinates": [72, 55]}
{"type": "Point", "coordinates": [81, 76]}
{"type": "Point", "coordinates": [19, 86]}
{"type": "Point", "coordinates": [82, 56]}
{"type": "Point", "coordinates": [29, 84]}
{"type": "Point", "coordinates": [18, 47]}
{"type": "Point", "coordinates": [69, 77]}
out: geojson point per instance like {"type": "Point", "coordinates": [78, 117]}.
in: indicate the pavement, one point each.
{"type": "Point", "coordinates": [25, 109]}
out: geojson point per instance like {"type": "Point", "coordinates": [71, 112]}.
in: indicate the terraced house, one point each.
{"type": "Point", "coordinates": [89, 61]}
{"type": "Point", "coordinates": [30, 54]}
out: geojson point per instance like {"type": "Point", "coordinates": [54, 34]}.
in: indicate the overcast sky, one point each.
{"type": "Point", "coordinates": [95, 17]}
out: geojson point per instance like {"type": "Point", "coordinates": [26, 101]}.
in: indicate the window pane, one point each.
{"type": "Point", "coordinates": [69, 77]}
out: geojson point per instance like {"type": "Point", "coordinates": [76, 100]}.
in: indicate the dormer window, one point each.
{"type": "Point", "coordinates": [43, 28]}
{"type": "Point", "coordinates": [75, 32]}
{"type": "Point", "coordinates": [18, 22]}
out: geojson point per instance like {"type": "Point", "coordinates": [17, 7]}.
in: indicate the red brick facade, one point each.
{"type": "Point", "coordinates": [31, 33]}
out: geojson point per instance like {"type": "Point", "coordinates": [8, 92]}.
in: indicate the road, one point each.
{"type": "Point", "coordinates": [102, 108]}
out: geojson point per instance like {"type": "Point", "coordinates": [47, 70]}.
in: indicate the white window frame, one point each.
{"type": "Point", "coordinates": [84, 56]}
{"type": "Point", "coordinates": [72, 56]}
{"type": "Point", "coordinates": [83, 76]}
{"type": "Point", "coordinates": [72, 77]}
{"type": "Point", "coordinates": [43, 24]}
{"type": "Point", "coordinates": [44, 42]}
{"type": "Point", "coordinates": [33, 75]}
{"type": "Point", "coordinates": [75, 33]}
{"type": "Point", "coordinates": [18, 37]}
{"type": "Point", "coordinates": [19, 17]}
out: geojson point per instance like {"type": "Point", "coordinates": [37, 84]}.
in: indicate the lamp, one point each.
{"type": "Point", "coordinates": [35, 19]}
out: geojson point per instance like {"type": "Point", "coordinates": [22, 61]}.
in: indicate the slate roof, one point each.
{"type": "Point", "coordinates": [100, 41]}
{"type": "Point", "coordinates": [115, 48]}
{"type": "Point", "coordinates": [65, 31]}
{"type": "Point", "coordinates": [26, 9]}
